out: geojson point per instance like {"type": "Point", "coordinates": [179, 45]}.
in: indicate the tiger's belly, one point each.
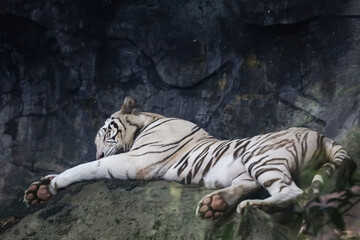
{"type": "Point", "coordinates": [212, 174]}
{"type": "Point", "coordinates": [224, 173]}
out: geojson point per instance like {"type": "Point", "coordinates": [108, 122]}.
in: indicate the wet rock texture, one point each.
{"type": "Point", "coordinates": [236, 68]}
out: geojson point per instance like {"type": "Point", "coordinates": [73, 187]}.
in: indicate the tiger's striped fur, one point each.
{"type": "Point", "coordinates": [149, 146]}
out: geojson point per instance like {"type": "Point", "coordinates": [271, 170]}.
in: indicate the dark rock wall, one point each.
{"type": "Point", "coordinates": [236, 68]}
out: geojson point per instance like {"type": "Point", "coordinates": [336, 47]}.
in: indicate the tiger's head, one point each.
{"type": "Point", "coordinates": [119, 131]}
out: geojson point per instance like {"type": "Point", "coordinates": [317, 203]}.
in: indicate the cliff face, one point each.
{"type": "Point", "coordinates": [236, 68]}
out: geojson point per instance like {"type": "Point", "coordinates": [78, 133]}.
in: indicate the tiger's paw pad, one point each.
{"type": "Point", "coordinates": [253, 203]}
{"type": "Point", "coordinates": [211, 207]}
{"type": "Point", "coordinates": [38, 192]}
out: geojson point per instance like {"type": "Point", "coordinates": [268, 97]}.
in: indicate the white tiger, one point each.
{"type": "Point", "coordinates": [150, 146]}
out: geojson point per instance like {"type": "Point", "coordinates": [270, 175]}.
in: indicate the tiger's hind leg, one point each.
{"type": "Point", "coordinates": [215, 204]}
{"type": "Point", "coordinates": [275, 202]}
{"type": "Point", "coordinates": [283, 191]}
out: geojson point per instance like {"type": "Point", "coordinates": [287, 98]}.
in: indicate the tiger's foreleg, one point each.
{"type": "Point", "coordinates": [120, 166]}
{"type": "Point", "coordinates": [218, 202]}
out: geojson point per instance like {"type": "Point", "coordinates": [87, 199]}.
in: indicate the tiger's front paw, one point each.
{"type": "Point", "coordinates": [211, 207]}
{"type": "Point", "coordinates": [38, 191]}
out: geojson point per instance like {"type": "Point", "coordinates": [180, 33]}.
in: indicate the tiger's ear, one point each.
{"type": "Point", "coordinates": [128, 106]}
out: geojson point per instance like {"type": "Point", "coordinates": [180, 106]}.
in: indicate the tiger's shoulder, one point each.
{"type": "Point", "coordinates": [174, 130]}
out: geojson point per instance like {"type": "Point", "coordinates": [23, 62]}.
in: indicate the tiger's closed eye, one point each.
{"type": "Point", "coordinates": [108, 134]}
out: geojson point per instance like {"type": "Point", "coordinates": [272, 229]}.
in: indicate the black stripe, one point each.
{"type": "Point", "coordinates": [298, 135]}
{"type": "Point", "coordinates": [151, 152]}
{"type": "Point", "coordinates": [240, 174]}
{"type": "Point", "coordinates": [200, 156]}
{"type": "Point", "coordinates": [220, 146]}
{"type": "Point", "coordinates": [303, 149]}
{"type": "Point", "coordinates": [166, 158]}
{"type": "Point", "coordinates": [205, 151]}
{"type": "Point", "coordinates": [319, 149]}
{"type": "Point", "coordinates": [188, 178]}
{"type": "Point", "coordinates": [175, 143]}
{"type": "Point", "coordinates": [194, 127]}
{"type": "Point", "coordinates": [137, 133]}
{"type": "Point", "coordinates": [270, 137]}
{"type": "Point", "coordinates": [272, 146]}
{"type": "Point", "coordinates": [220, 155]}
{"type": "Point", "coordinates": [148, 115]}
{"type": "Point", "coordinates": [254, 163]}
{"type": "Point", "coordinates": [182, 167]}
{"type": "Point", "coordinates": [138, 128]}
{"type": "Point", "coordinates": [131, 123]}
{"type": "Point", "coordinates": [110, 174]}
{"type": "Point", "coordinates": [121, 123]}
{"type": "Point", "coordinates": [152, 127]}
{"type": "Point", "coordinates": [264, 170]}
{"type": "Point", "coordinates": [115, 124]}
{"type": "Point", "coordinates": [226, 146]}
{"type": "Point", "coordinates": [207, 168]}
{"type": "Point", "coordinates": [144, 145]}
{"type": "Point", "coordinates": [239, 142]}
{"type": "Point", "coordinates": [245, 160]}
{"type": "Point", "coordinates": [242, 148]}
{"type": "Point", "coordinates": [264, 136]}
{"type": "Point", "coordinates": [202, 144]}
{"type": "Point", "coordinates": [270, 182]}
{"type": "Point", "coordinates": [272, 164]}
{"type": "Point", "coordinates": [198, 165]}
{"type": "Point", "coordinates": [281, 188]}
{"type": "Point", "coordinates": [294, 153]}
{"type": "Point", "coordinates": [287, 166]}
{"type": "Point", "coordinates": [143, 135]}
{"type": "Point", "coordinates": [337, 151]}
{"type": "Point", "coordinates": [186, 156]}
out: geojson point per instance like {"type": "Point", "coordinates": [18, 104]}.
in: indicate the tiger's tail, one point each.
{"type": "Point", "coordinates": [334, 175]}
{"type": "Point", "coordinates": [339, 168]}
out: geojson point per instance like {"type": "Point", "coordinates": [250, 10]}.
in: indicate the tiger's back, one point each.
{"type": "Point", "coordinates": [188, 154]}
{"type": "Point", "coordinates": [181, 151]}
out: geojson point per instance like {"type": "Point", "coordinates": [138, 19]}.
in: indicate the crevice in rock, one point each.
{"type": "Point", "coordinates": [206, 78]}
{"type": "Point", "coordinates": [23, 19]}
{"type": "Point", "coordinates": [308, 114]}
{"type": "Point", "coordinates": [161, 84]}
{"type": "Point", "coordinates": [284, 26]}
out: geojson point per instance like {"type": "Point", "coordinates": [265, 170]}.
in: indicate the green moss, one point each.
{"type": "Point", "coordinates": [175, 194]}
{"type": "Point", "coordinates": [157, 225]}
{"type": "Point", "coordinates": [50, 212]}
{"type": "Point", "coordinates": [345, 91]}
{"type": "Point", "coordinates": [222, 82]}
{"type": "Point", "coordinates": [136, 235]}
{"type": "Point", "coordinates": [251, 61]}
{"type": "Point", "coordinates": [228, 232]}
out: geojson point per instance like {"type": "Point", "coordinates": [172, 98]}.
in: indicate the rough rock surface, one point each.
{"type": "Point", "coordinates": [236, 68]}
{"type": "Point", "coordinates": [120, 210]}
